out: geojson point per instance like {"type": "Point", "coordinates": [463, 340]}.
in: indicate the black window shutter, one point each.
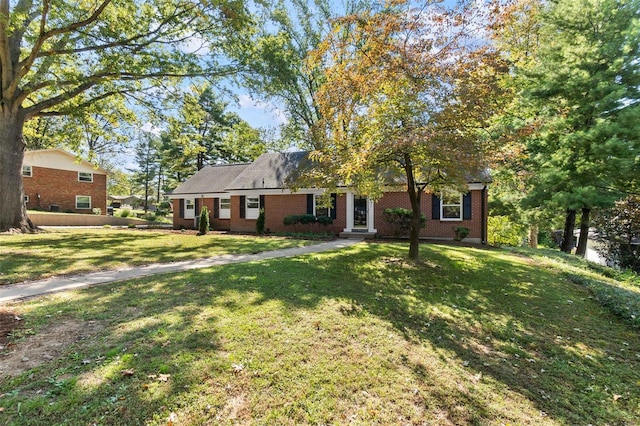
{"type": "Point", "coordinates": [197, 210]}
{"type": "Point", "coordinates": [334, 203]}
{"type": "Point", "coordinates": [181, 207]}
{"type": "Point", "coordinates": [466, 206]}
{"type": "Point", "coordinates": [216, 208]}
{"type": "Point", "coordinates": [262, 201]}
{"type": "Point", "coordinates": [435, 207]}
{"type": "Point", "coordinates": [243, 206]}
{"type": "Point", "coordinates": [310, 203]}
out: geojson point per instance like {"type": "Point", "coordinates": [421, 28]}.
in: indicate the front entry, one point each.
{"type": "Point", "coordinates": [360, 210]}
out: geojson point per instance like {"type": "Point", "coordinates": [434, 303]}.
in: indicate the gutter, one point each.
{"type": "Point", "coordinates": [483, 228]}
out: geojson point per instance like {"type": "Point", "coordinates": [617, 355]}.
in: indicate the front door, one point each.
{"type": "Point", "coordinates": [360, 212]}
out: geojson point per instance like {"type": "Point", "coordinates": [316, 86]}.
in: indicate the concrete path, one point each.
{"type": "Point", "coordinates": [34, 288]}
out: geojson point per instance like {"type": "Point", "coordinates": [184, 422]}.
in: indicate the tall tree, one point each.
{"type": "Point", "coordinates": [275, 66]}
{"type": "Point", "coordinates": [581, 86]}
{"type": "Point", "coordinates": [52, 52]}
{"type": "Point", "coordinates": [406, 94]}
{"type": "Point", "coordinates": [205, 132]}
{"type": "Point", "coordinates": [147, 159]}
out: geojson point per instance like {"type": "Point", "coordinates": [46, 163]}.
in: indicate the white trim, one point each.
{"type": "Point", "coordinates": [90, 176]}
{"type": "Point", "coordinates": [83, 208]}
{"type": "Point", "coordinates": [349, 214]}
{"type": "Point", "coordinates": [251, 213]}
{"type": "Point", "coordinates": [315, 206]}
{"type": "Point", "coordinates": [198, 195]}
{"type": "Point", "coordinates": [477, 186]}
{"type": "Point", "coordinates": [224, 213]}
{"type": "Point", "coordinates": [442, 205]}
{"type": "Point", "coordinates": [189, 213]}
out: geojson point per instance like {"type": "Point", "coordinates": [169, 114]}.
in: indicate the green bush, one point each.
{"type": "Point", "coordinates": [260, 223]}
{"type": "Point", "coordinates": [292, 219]}
{"type": "Point", "coordinates": [97, 211]}
{"type": "Point", "coordinates": [306, 219]}
{"type": "Point", "coordinates": [151, 217]}
{"type": "Point", "coordinates": [125, 213]}
{"type": "Point", "coordinates": [324, 220]}
{"type": "Point", "coordinates": [461, 233]}
{"type": "Point", "coordinates": [503, 232]}
{"type": "Point", "coordinates": [400, 219]}
{"type": "Point", "coordinates": [203, 223]}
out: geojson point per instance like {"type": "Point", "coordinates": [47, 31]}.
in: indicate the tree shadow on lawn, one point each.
{"type": "Point", "coordinates": [103, 378]}
{"type": "Point", "coordinates": [113, 250]}
{"type": "Point", "coordinates": [569, 356]}
{"type": "Point", "coordinates": [477, 308]}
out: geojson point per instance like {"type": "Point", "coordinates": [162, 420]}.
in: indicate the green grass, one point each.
{"type": "Point", "coordinates": [33, 256]}
{"type": "Point", "coordinates": [359, 336]}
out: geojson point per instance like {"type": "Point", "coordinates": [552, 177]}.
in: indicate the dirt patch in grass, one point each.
{"type": "Point", "coordinates": [22, 349]}
{"type": "Point", "coordinates": [9, 321]}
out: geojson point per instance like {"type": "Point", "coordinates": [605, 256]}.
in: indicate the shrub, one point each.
{"type": "Point", "coordinates": [151, 217]}
{"type": "Point", "coordinates": [306, 219]}
{"type": "Point", "coordinates": [400, 219]}
{"type": "Point", "coordinates": [125, 213]}
{"type": "Point", "coordinates": [504, 232]}
{"type": "Point", "coordinates": [324, 220]}
{"type": "Point", "coordinates": [203, 223]}
{"type": "Point", "coordinates": [260, 223]}
{"type": "Point", "coordinates": [97, 211]}
{"type": "Point", "coordinates": [461, 233]}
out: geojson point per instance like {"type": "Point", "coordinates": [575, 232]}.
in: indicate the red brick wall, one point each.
{"type": "Point", "coordinates": [434, 228]}
{"type": "Point", "coordinates": [279, 206]}
{"type": "Point", "coordinates": [60, 187]}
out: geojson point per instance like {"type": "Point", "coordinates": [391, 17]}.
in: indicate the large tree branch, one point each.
{"type": "Point", "coordinates": [151, 37]}
{"type": "Point", "coordinates": [44, 35]}
{"type": "Point", "coordinates": [90, 81]}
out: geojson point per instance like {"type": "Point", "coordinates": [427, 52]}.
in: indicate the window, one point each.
{"type": "Point", "coordinates": [26, 199]}
{"type": "Point", "coordinates": [253, 207]}
{"type": "Point", "coordinates": [451, 206]}
{"type": "Point", "coordinates": [189, 208]}
{"type": "Point", "coordinates": [83, 202]}
{"type": "Point", "coordinates": [85, 177]}
{"type": "Point", "coordinates": [27, 171]}
{"type": "Point", "coordinates": [225, 208]}
{"type": "Point", "coordinates": [321, 211]}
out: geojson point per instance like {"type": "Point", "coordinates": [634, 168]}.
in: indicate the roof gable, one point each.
{"type": "Point", "coordinates": [59, 159]}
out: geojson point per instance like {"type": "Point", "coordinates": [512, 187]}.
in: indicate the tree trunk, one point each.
{"type": "Point", "coordinates": [584, 232]}
{"type": "Point", "coordinates": [414, 199]}
{"type": "Point", "coordinates": [533, 236]}
{"type": "Point", "coordinates": [569, 225]}
{"type": "Point", "coordinates": [13, 213]}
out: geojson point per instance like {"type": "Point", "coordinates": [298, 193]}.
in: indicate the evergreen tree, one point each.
{"type": "Point", "coordinates": [582, 86]}
{"type": "Point", "coordinates": [148, 161]}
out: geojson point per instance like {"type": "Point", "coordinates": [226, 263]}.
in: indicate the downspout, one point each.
{"type": "Point", "coordinates": [483, 227]}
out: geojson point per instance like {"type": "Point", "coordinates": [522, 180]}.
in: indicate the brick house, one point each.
{"type": "Point", "coordinates": [234, 194]}
{"type": "Point", "coordinates": [55, 180]}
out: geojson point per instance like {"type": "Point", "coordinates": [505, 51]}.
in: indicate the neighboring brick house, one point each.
{"type": "Point", "coordinates": [55, 180]}
{"type": "Point", "coordinates": [234, 194]}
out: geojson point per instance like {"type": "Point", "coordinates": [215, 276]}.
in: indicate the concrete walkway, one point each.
{"type": "Point", "coordinates": [34, 288]}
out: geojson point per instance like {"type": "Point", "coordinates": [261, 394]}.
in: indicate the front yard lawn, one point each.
{"type": "Point", "coordinates": [357, 336]}
{"type": "Point", "coordinates": [59, 252]}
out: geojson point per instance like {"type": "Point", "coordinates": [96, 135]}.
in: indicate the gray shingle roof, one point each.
{"type": "Point", "coordinates": [210, 179]}
{"type": "Point", "coordinates": [269, 171]}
